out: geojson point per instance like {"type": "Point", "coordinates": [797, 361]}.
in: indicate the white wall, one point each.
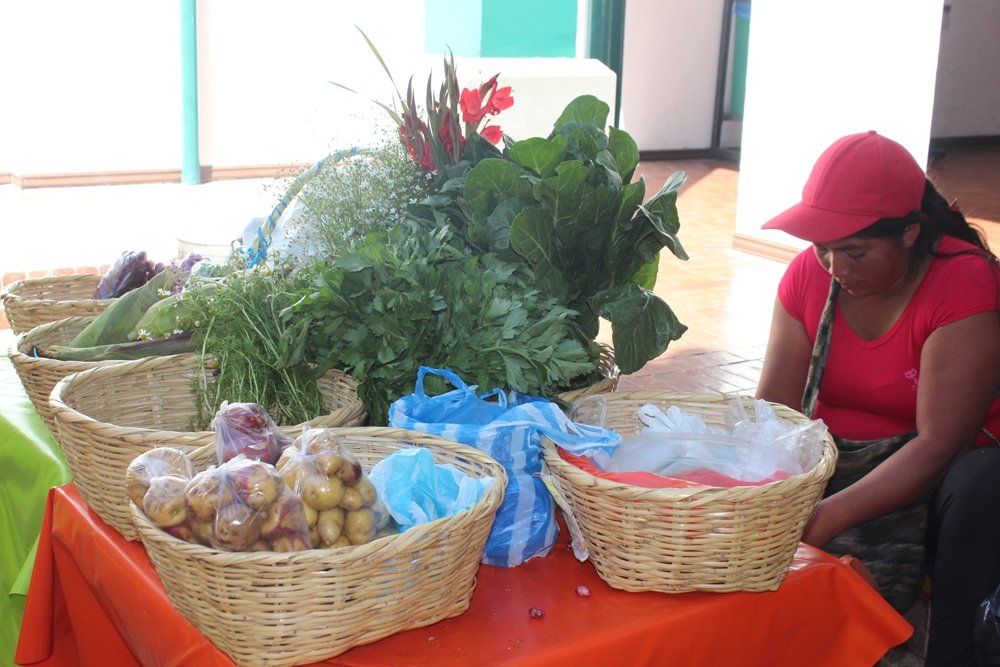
{"type": "Point", "coordinates": [967, 100]}
{"type": "Point", "coordinates": [95, 87]}
{"type": "Point", "coordinates": [266, 69]}
{"type": "Point", "coordinates": [817, 71]}
{"type": "Point", "coordinates": [90, 86]}
{"type": "Point", "coordinates": [669, 66]}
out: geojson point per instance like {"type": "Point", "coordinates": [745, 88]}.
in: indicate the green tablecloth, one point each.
{"type": "Point", "coordinates": [30, 463]}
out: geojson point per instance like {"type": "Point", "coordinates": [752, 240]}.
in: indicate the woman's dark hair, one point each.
{"type": "Point", "coordinates": [936, 219]}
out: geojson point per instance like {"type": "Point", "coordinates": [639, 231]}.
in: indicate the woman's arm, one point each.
{"type": "Point", "coordinates": [959, 374]}
{"type": "Point", "coordinates": [786, 361]}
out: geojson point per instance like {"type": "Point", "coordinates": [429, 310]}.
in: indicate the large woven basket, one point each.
{"type": "Point", "coordinates": [688, 539]}
{"type": "Point", "coordinates": [107, 416]}
{"type": "Point", "coordinates": [33, 301]}
{"type": "Point", "coordinates": [610, 375]}
{"type": "Point", "coordinates": [270, 608]}
{"type": "Point", "coordinates": [40, 374]}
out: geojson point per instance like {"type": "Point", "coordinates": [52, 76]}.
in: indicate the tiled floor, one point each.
{"type": "Point", "coordinates": [725, 296]}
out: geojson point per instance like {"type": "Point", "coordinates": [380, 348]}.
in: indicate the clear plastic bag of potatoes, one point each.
{"type": "Point", "coordinates": [342, 506]}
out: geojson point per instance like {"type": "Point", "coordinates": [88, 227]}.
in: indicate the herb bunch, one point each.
{"type": "Point", "coordinates": [256, 353]}
{"type": "Point", "coordinates": [409, 298]}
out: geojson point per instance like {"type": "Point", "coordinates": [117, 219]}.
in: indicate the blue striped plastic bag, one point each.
{"type": "Point", "coordinates": [509, 428]}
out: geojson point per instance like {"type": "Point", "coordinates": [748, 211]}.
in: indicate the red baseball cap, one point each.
{"type": "Point", "coordinates": [859, 179]}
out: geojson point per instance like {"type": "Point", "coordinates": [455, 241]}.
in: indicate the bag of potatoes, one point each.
{"type": "Point", "coordinates": [240, 505]}
{"type": "Point", "coordinates": [341, 504]}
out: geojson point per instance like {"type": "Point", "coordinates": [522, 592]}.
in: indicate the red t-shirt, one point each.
{"type": "Point", "coordinates": [869, 387]}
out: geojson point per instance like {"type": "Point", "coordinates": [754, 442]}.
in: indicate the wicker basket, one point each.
{"type": "Point", "coordinates": [609, 372]}
{"type": "Point", "coordinates": [675, 540]}
{"type": "Point", "coordinates": [34, 301]}
{"type": "Point", "coordinates": [40, 374]}
{"type": "Point", "coordinates": [292, 608]}
{"type": "Point", "coordinates": [107, 416]}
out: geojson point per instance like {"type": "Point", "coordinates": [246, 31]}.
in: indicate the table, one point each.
{"type": "Point", "coordinates": [95, 599]}
{"type": "Point", "coordinates": [30, 463]}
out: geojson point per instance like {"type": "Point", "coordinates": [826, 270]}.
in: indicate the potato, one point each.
{"type": "Point", "coordinates": [290, 542]}
{"type": "Point", "coordinates": [311, 514]}
{"type": "Point", "coordinates": [183, 531]}
{"type": "Point", "coordinates": [164, 500]}
{"type": "Point", "coordinates": [322, 493]}
{"type": "Point", "coordinates": [328, 462]}
{"type": "Point", "coordinates": [284, 516]}
{"type": "Point", "coordinates": [256, 483]}
{"type": "Point", "coordinates": [352, 500]}
{"type": "Point", "coordinates": [349, 472]}
{"type": "Point", "coordinates": [153, 463]}
{"type": "Point", "coordinates": [330, 526]}
{"type": "Point", "coordinates": [287, 454]}
{"type": "Point", "coordinates": [237, 527]}
{"type": "Point", "coordinates": [203, 531]}
{"type": "Point", "coordinates": [204, 493]}
{"type": "Point", "coordinates": [359, 526]}
{"type": "Point", "coordinates": [318, 440]}
{"type": "Point", "coordinates": [369, 494]}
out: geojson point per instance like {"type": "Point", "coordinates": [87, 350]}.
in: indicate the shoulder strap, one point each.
{"type": "Point", "coordinates": [820, 348]}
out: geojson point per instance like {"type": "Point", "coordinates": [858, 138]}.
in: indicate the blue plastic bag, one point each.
{"type": "Point", "coordinates": [510, 429]}
{"type": "Point", "coordinates": [416, 490]}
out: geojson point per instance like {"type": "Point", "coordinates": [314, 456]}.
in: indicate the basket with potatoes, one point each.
{"type": "Point", "coordinates": [317, 495]}
{"type": "Point", "coordinates": [299, 561]}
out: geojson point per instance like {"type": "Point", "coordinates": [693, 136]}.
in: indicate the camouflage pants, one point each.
{"type": "Point", "coordinates": [892, 546]}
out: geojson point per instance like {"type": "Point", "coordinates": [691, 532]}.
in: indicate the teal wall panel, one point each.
{"type": "Point", "coordinates": [454, 25]}
{"type": "Point", "coordinates": [501, 28]}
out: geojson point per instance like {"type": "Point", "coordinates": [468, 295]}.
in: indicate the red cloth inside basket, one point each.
{"type": "Point", "coordinates": [651, 480]}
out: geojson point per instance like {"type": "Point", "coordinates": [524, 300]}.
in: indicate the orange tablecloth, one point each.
{"type": "Point", "coordinates": [95, 599]}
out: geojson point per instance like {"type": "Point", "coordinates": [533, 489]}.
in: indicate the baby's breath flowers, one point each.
{"type": "Point", "coordinates": [365, 193]}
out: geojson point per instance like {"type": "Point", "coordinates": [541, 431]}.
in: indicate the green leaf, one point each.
{"type": "Point", "coordinates": [661, 212]}
{"type": "Point", "coordinates": [642, 325]}
{"type": "Point", "coordinates": [584, 110]}
{"type": "Point", "coordinates": [496, 177]}
{"type": "Point", "coordinates": [563, 192]}
{"type": "Point", "coordinates": [607, 160]}
{"type": "Point", "coordinates": [537, 154]}
{"type": "Point", "coordinates": [625, 150]}
{"type": "Point", "coordinates": [582, 142]}
{"type": "Point", "coordinates": [532, 236]}
{"type": "Point", "coordinates": [645, 277]}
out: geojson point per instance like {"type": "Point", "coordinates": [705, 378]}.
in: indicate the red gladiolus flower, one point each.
{"type": "Point", "coordinates": [427, 161]}
{"type": "Point", "coordinates": [492, 134]}
{"type": "Point", "coordinates": [488, 85]}
{"type": "Point", "coordinates": [500, 100]}
{"type": "Point", "coordinates": [472, 106]}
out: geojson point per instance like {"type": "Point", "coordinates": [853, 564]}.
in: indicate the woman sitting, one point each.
{"type": "Point", "coordinates": [888, 329]}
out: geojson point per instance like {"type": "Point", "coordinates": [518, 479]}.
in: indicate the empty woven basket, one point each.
{"type": "Point", "coordinates": [33, 301]}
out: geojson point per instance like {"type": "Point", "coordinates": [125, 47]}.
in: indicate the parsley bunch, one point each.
{"type": "Point", "coordinates": [408, 298]}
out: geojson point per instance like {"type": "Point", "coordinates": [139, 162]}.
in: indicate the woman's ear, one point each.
{"type": "Point", "coordinates": [911, 234]}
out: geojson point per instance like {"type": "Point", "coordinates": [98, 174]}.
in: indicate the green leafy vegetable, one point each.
{"type": "Point", "coordinates": [259, 350]}
{"type": "Point", "coordinates": [409, 299]}
{"type": "Point", "coordinates": [565, 207]}
{"type": "Point", "coordinates": [117, 320]}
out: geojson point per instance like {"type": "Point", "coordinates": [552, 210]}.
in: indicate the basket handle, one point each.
{"type": "Point", "coordinates": [257, 252]}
